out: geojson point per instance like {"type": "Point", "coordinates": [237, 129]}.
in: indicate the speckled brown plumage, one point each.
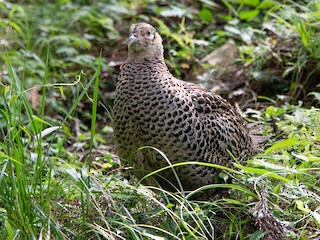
{"type": "Point", "coordinates": [184, 121]}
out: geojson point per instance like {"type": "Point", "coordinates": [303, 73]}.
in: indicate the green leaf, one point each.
{"type": "Point", "coordinates": [206, 15]}
{"type": "Point", "coordinates": [257, 235]}
{"type": "Point", "coordinates": [283, 144]}
{"type": "Point", "coordinates": [233, 201]}
{"type": "Point", "coordinates": [300, 206]}
{"type": "Point", "coordinates": [276, 189]}
{"type": "Point", "coordinates": [5, 156]}
{"type": "Point", "coordinates": [9, 231]}
{"type": "Point", "coordinates": [265, 5]}
{"type": "Point", "coordinates": [303, 32]}
{"type": "Point", "coordinates": [272, 111]}
{"type": "Point", "coordinates": [6, 90]}
{"type": "Point", "coordinates": [170, 205]}
{"type": "Point", "coordinates": [248, 15]}
{"type": "Point", "coordinates": [261, 172]}
{"type": "Point", "coordinates": [40, 120]}
{"type": "Point", "coordinates": [252, 3]}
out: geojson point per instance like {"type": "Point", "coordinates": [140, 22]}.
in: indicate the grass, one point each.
{"type": "Point", "coordinates": [47, 192]}
{"type": "Point", "coordinates": [59, 176]}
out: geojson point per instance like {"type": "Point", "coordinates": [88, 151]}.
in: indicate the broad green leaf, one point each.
{"type": "Point", "coordinates": [283, 144]}
{"type": "Point", "coordinates": [252, 3]}
{"type": "Point", "coordinates": [248, 15]}
{"type": "Point", "coordinates": [265, 5]}
{"type": "Point", "coordinates": [272, 111]}
{"type": "Point", "coordinates": [206, 15]}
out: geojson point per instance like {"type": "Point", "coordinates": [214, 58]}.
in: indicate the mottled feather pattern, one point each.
{"type": "Point", "coordinates": [184, 121]}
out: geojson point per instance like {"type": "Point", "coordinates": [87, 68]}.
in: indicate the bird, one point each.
{"type": "Point", "coordinates": [160, 120]}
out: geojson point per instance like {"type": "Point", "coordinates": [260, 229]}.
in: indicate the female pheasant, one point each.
{"type": "Point", "coordinates": [182, 120]}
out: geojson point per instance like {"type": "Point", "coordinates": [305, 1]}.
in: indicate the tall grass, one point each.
{"type": "Point", "coordinates": [30, 151]}
{"type": "Point", "coordinates": [55, 184]}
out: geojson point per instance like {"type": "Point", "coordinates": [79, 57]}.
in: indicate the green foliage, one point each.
{"type": "Point", "coordinates": [297, 21]}
{"type": "Point", "coordinates": [59, 176]}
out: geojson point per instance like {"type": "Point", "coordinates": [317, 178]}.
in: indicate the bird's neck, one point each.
{"type": "Point", "coordinates": [156, 61]}
{"type": "Point", "coordinates": [145, 57]}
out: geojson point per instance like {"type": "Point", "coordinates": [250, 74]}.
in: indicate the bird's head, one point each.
{"type": "Point", "coordinates": [144, 41]}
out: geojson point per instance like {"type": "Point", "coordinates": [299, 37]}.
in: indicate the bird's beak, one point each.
{"type": "Point", "coordinates": [132, 38]}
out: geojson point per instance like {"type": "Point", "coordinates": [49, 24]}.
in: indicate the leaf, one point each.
{"type": "Point", "coordinates": [272, 111]}
{"type": "Point", "coordinates": [267, 5]}
{"type": "Point", "coordinates": [6, 90]}
{"type": "Point", "coordinates": [9, 231]}
{"type": "Point", "coordinates": [300, 206]}
{"type": "Point", "coordinates": [99, 138]}
{"type": "Point", "coordinates": [316, 216]}
{"type": "Point", "coordinates": [300, 156]}
{"type": "Point", "coordinates": [276, 189]}
{"type": "Point", "coordinates": [5, 156]}
{"type": "Point", "coordinates": [46, 132]}
{"type": "Point", "coordinates": [249, 15]}
{"type": "Point", "coordinates": [206, 15]}
{"type": "Point", "coordinates": [303, 32]}
{"type": "Point", "coordinates": [261, 172]}
{"type": "Point", "coordinates": [283, 144]}
{"type": "Point", "coordinates": [233, 201]}
{"type": "Point", "coordinates": [170, 205]}
{"type": "Point", "coordinates": [73, 173]}
{"type": "Point", "coordinates": [252, 3]}
{"type": "Point", "coordinates": [209, 3]}
{"type": "Point", "coordinates": [167, 32]}
{"type": "Point", "coordinates": [40, 120]}
{"type": "Point", "coordinates": [257, 235]}
{"type": "Point", "coordinates": [316, 95]}
{"type": "Point", "coordinates": [173, 11]}
{"type": "Point", "coordinates": [18, 29]}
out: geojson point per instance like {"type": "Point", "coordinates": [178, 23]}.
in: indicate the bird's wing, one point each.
{"type": "Point", "coordinates": [215, 108]}
{"type": "Point", "coordinates": [207, 102]}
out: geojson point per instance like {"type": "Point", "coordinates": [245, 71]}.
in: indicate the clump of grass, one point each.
{"type": "Point", "coordinates": [32, 152]}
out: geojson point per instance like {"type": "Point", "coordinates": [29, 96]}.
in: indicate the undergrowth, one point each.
{"type": "Point", "coordinates": [59, 175]}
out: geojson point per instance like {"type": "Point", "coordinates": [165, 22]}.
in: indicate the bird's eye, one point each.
{"type": "Point", "coordinates": [150, 34]}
